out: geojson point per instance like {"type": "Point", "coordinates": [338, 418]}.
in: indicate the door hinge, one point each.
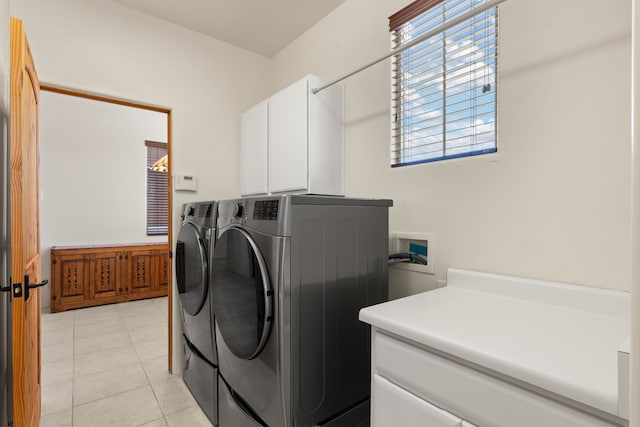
{"type": "Point", "coordinates": [6, 289]}
{"type": "Point", "coordinates": [170, 254]}
{"type": "Point", "coordinates": [15, 289]}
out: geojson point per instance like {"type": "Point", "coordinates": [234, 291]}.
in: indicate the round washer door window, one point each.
{"type": "Point", "coordinates": [191, 269]}
{"type": "Point", "coordinates": [242, 296]}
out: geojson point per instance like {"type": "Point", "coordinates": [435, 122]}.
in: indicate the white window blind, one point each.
{"type": "Point", "coordinates": [443, 89]}
{"type": "Point", "coordinates": [157, 191]}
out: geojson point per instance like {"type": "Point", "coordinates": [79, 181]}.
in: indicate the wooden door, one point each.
{"type": "Point", "coordinates": [25, 236]}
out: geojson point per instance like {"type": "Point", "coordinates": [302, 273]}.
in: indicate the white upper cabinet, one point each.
{"type": "Point", "coordinates": [288, 148]}
{"type": "Point", "coordinates": [253, 150]}
{"type": "Point", "coordinates": [303, 137]}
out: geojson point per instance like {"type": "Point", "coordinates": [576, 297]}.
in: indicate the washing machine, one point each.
{"type": "Point", "coordinates": [194, 252]}
{"type": "Point", "coordinates": [290, 274]}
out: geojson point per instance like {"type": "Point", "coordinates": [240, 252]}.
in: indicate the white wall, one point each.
{"type": "Point", "coordinates": [554, 203]}
{"type": "Point", "coordinates": [93, 173]}
{"type": "Point", "coordinates": [103, 47]}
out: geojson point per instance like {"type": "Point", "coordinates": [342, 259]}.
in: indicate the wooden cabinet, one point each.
{"type": "Point", "coordinates": [293, 142]}
{"type": "Point", "coordinates": [83, 276]}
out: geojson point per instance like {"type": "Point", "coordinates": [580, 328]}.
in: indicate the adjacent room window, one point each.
{"type": "Point", "coordinates": [444, 88]}
{"type": "Point", "coordinates": [157, 188]}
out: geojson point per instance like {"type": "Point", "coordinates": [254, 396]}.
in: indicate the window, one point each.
{"type": "Point", "coordinates": [157, 190]}
{"type": "Point", "coordinates": [444, 88]}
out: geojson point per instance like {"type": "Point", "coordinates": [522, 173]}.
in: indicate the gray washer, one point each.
{"type": "Point", "coordinates": [194, 252]}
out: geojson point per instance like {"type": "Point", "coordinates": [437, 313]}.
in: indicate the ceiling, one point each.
{"type": "Point", "coordinates": [261, 26]}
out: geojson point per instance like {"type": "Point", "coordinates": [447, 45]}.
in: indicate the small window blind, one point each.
{"type": "Point", "coordinates": [157, 191]}
{"type": "Point", "coordinates": [443, 89]}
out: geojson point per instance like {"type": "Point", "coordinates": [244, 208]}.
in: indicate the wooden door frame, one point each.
{"type": "Point", "coordinates": [134, 104]}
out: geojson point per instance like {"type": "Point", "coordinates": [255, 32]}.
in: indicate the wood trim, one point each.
{"type": "Point", "coordinates": [409, 12]}
{"type": "Point", "coordinates": [134, 104]}
{"type": "Point", "coordinates": [103, 98]}
{"type": "Point", "coordinates": [170, 242]}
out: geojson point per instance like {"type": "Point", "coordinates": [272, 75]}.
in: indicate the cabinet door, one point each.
{"type": "Point", "coordinates": [69, 281]}
{"type": "Point", "coordinates": [141, 272]}
{"type": "Point", "coordinates": [393, 406]}
{"type": "Point", "coordinates": [104, 269]}
{"type": "Point", "coordinates": [253, 150]}
{"type": "Point", "coordinates": [162, 271]}
{"type": "Point", "coordinates": [288, 159]}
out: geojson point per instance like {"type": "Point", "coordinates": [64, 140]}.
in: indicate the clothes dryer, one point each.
{"type": "Point", "coordinates": [290, 274]}
{"type": "Point", "coordinates": [194, 252]}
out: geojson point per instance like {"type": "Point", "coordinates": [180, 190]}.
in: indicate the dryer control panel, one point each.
{"type": "Point", "coordinates": [266, 210]}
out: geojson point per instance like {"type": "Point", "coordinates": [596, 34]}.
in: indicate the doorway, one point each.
{"type": "Point", "coordinates": [93, 188]}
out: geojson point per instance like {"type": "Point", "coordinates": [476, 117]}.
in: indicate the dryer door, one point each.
{"type": "Point", "coordinates": [242, 295]}
{"type": "Point", "coordinates": [191, 269]}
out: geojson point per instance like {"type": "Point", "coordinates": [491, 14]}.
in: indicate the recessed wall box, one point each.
{"type": "Point", "coordinates": [186, 183]}
{"type": "Point", "coordinates": [423, 244]}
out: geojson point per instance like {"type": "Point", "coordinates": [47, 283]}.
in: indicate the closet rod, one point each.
{"type": "Point", "coordinates": [429, 34]}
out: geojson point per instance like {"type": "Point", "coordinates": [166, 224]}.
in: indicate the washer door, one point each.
{"type": "Point", "coordinates": [242, 295]}
{"type": "Point", "coordinates": [191, 269]}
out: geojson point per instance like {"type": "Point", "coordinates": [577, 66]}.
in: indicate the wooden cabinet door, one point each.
{"type": "Point", "coordinates": [253, 150]}
{"type": "Point", "coordinates": [288, 157]}
{"type": "Point", "coordinates": [69, 281]}
{"type": "Point", "coordinates": [25, 233]}
{"type": "Point", "coordinates": [105, 276]}
{"type": "Point", "coordinates": [141, 273]}
{"type": "Point", "coordinates": [163, 263]}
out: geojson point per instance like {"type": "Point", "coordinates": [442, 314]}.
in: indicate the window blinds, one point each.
{"type": "Point", "coordinates": [443, 89]}
{"type": "Point", "coordinates": [157, 191]}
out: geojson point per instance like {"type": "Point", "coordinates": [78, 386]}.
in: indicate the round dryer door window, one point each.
{"type": "Point", "coordinates": [241, 293]}
{"type": "Point", "coordinates": [191, 269]}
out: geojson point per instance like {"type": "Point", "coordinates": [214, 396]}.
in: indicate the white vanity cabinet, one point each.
{"type": "Point", "coordinates": [395, 406]}
{"type": "Point", "coordinates": [497, 351]}
{"type": "Point", "coordinates": [301, 134]}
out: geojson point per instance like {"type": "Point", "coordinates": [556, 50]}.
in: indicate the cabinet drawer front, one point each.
{"type": "Point", "coordinates": [395, 406]}
{"type": "Point", "coordinates": [470, 394]}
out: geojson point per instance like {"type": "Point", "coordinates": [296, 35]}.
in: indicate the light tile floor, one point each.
{"type": "Point", "coordinates": [107, 366]}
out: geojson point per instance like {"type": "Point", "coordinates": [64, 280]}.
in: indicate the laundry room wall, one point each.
{"type": "Point", "coordinates": [101, 46]}
{"type": "Point", "coordinates": [93, 182]}
{"type": "Point", "coordinates": [554, 203]}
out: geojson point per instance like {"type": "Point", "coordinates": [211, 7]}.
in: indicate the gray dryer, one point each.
{"type": "Point", "coordinates": [290, 274]}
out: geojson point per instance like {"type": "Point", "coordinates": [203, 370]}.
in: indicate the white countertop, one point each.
{"type": "Point", "coordinates": [560, 338]}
